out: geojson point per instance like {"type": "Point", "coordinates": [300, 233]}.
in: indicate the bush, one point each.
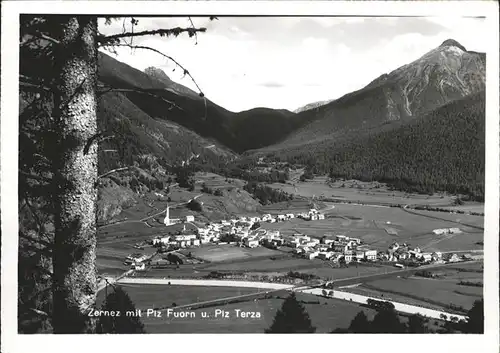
{"type": "Point", "coordinates": [195, 205]}
{"type": "Point", "coordinates": [218, 192]}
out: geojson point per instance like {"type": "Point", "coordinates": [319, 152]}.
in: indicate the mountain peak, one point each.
{"type": "Point", "coordinates": [156, 72]}
{"type": "Point", "coordinates": [452, 43]}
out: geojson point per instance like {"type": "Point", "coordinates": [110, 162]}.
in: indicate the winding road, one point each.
{"type": "Point", "coordinates": [143, 220]}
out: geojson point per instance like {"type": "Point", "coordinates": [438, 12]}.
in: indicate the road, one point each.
{"type": "Point", "coordinates": [404, 308]}
{"type": "Point", "coordinates": [406, 208]}
{"type": "Point", "coordinates": [277, 287]}
{"type": "Point", "coordinates": [273, 288]}
{"type": "Point", "coordinates": [205, 282]}
{"type": "Point", "coordinates": [143, 220]}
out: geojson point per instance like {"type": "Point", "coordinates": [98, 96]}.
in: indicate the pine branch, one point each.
{"type": "Point", "coordinates": [141, 91]}
{"type": "Point", "coordinates": [113, 39]}
{"type": "Point", "coordinates": [112, 171]}
{"type": "Point", "coordinates": [195, 34]}
{"type": "Point", "coordinates": [48, 38]}
{"type": "Point", "coordinates": [39, 312]}
{"type": "Point", "coordinates": [186, 72]}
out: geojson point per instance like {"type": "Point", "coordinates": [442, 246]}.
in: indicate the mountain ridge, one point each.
{"type": "Point", "coordinates": [436, 78]}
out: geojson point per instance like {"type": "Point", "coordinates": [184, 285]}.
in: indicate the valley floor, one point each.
{"type": "Point", "coordinates": [374, 223]}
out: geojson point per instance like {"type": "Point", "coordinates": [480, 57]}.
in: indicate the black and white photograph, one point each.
{"type": "Point", "coordinates": [215, 173]}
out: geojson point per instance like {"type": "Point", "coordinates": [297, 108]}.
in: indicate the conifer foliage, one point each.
{"type": "Point", "coordinates": [291, 318]}
{"type": "Point", "coordinates": [119, 301]}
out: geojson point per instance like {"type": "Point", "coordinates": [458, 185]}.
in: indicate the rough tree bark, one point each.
{"type": "Point", "coordinates": [75, 174]}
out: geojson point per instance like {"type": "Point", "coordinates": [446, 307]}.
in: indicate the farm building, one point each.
{"type": "Point", "coordinates": [311, 255]}
{"type": "Point", "coordinates": [436, 256]}
{"type": "Point", "coordinates": [203, 231]}
{"type": "Point", "coordinates": [162, 240]}
{"type": "Point", "coordinates": [325, 255]}
{"type": "Point", "coordinates": [348, 256]}
{"type": "Point", "coordinates": [271, 234]}
{"type": "Point", "coordinates": [137, 257]}
{"type": "Point", "coordinates": [451, 257]}
{"type": "Point", "coordinates": [440, 231]}
{"type": "Point", "coordinates": [370, 254]}
{"type": "Point", "coordinates": [358, 255]}
{"type": "Point", "coordinates": [184, 237]}
{"type": "Point", "coordinates": [340, 247]}
{"type": "Point", "coordinates": [251, 243]}
{"type": "Point", "coordinates": [266, 217]}
{"type": "Point", "coordinates": [321, 216]}
{"type": "Point", "coordinates": [426, 256]}
{"type": "Point", "coordinates": [190, 218]}
{"type": "Point", "coordinates": [139, 266]}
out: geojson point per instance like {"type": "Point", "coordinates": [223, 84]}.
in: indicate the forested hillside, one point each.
{"type": "Point", "coordinates": [443, 150]}
{"type": "Point", "coordinates": [442, 75]}
{"type": "Point", "coordinates": [165, 100]}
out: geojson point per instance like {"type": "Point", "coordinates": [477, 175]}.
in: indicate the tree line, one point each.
{"type": "Point", "coordinates": [266, 194]}
{"type": "Point", "coordinates": [441, 151]}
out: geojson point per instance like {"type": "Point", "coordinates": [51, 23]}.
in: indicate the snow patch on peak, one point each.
{"type": "Point", "coordinates": [450, 43]}
{"type": "Point", "coordinates": [454, 50]}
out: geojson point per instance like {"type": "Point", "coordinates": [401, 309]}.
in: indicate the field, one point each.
{"type": "Point", "coordinates": [431, 292]}
{"type": "Point", "coordinates": [159, 296]}
{"type": "Point", "coordinates": [376, 226]}
{"type": "Point", "coordinates": [217, 253]}
{"type": "Point", "coordinates": [326, 314]}
{"type": "Point", "coordinates": [380, 226]}
{"type": "Point", "coordinates": [297, 205]}
{"type": "Point", "coordinates": [358, 191]}
{"type": "Point", "coordinates": [467, 207]}
{"type": "Point", "coordinates": [216, 181]}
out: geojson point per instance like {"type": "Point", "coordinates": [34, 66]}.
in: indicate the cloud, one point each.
{"type": "Point", "coordinates": [272, 84]}
{"type": "Point", "coordinates": [285, 62]}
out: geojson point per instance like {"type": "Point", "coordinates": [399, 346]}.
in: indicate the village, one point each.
{"type": "Point", "coordinates": [247, 232]}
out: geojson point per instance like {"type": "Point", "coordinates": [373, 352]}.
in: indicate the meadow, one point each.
{"type": "Point", "coordinates": [218, 253]}
{"type": "Point", "coordinates": [326, 315]}
{"type": "Point", "coordinates": [358, 191]}
{"type": "Point", "coordinates": [380, 226]}
{"type": "Point", "coordinates": [443, 291]}
{"type": "Point", "coordinates": [158, 296]}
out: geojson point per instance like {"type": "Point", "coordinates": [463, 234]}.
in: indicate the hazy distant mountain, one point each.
{"type": "Point", "coordinates": [312, 106]}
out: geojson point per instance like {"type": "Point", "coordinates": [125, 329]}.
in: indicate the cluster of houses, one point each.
{"type": "Point", "coordinates": [339, 249]}
{"type": "Point", "coordinates": [137, 261]}
{"type": "Point", "coordinates": [183, 240]}
{"type": "Point", "coordinates": [442, 231]}
{"type": "Point", "coordinates": [404, 252]}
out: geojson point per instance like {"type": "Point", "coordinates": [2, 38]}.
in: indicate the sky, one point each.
{"type": "Point", "coordinates": [242, 63]}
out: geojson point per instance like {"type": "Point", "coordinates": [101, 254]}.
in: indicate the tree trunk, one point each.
{"type": "Point", "coordinates": [75, 174]}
